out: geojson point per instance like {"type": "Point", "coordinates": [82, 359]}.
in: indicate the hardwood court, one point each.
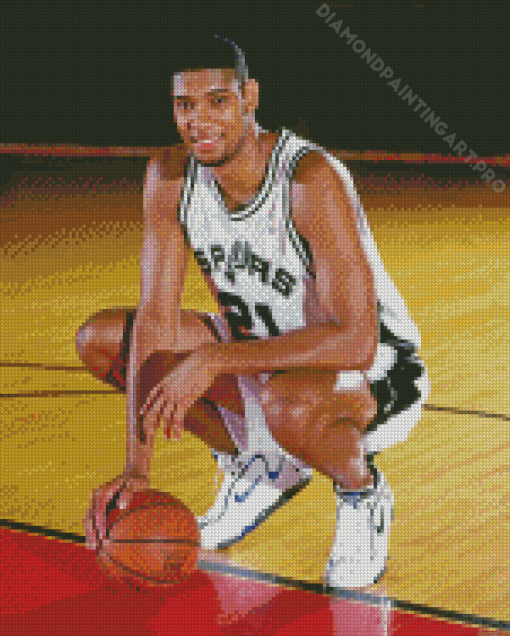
{"type": "Point", "coordinates": [68, 256]}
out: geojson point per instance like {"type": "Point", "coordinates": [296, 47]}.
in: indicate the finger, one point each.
{"type": "Point", "coordinates": [178, 418]}
{"type": "Point", "coordinates": [152, 400]}
{"type": "Point", "coordinates": [166, 418]}
{"type": "Point", "coordinates": [91, 540]}
{"type": "Point", "coordinates": [147, 405]}
{"type": "Point", "coordinates": [142, 412]}
{"type": "Point", "coordinates": [93, 498]}
{"type": "Point", "coordinates": [100, 518]}
{"type": "Point", "coordinates": [167, 422]}
{"type": "Point", "coordinates": [164, 409]}
{"type": "Point", "coordinates": [150, 408]}
{"type": "Point", "coordinates": [124, 500]}
{"type": "Point", "coordinates": [169, 419]}
{"type": "Point", "coordinates": [90, 543]}
{"type": "Point", "coordinates": [95, 525]}
{"type": "Point", "coordinates": [92, 514]}
{"type": "Point", "coordinates": [161, 406]}
{"type": "Point", "coordinates": [148, 421]}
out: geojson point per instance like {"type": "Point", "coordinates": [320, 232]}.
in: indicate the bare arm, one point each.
{"type": "Point", "coordinates": [162, 270]}
{"type": "Point", "coordinates": [347, 340]}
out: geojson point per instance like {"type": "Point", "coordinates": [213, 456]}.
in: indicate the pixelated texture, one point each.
{"type": "Point", "coordinates": [70, 250]}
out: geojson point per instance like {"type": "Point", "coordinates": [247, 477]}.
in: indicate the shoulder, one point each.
{"type": "Point", "coordinates": [317, 186]}
{"type": "Point", "coordinates": [163, 182]}
{"type": "Point", "coordinates": [313, 169]}
{"type": "Point", "coordinates": [170, 163]}
{"type": "Point", "coordinates": [173, 162]}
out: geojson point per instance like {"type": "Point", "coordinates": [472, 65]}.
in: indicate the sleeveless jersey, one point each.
{"type": "Point", "coordinates": [260, 263]}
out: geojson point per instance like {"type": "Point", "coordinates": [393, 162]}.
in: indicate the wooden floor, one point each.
{"type": "Point", "coordinates": [449, 543]}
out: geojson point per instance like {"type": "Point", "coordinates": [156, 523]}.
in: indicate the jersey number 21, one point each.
{"type": "Point", "coordinates": [240, 321]}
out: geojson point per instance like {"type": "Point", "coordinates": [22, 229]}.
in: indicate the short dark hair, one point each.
{"type": "Point", "coordinates": [216, 52]}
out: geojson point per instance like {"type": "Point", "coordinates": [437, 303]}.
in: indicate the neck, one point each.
{"type": "Point", "coordinates": [243, 166]}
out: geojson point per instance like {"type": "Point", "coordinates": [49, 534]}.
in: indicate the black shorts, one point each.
{"type": "Point", "coordinates": [398, 389]}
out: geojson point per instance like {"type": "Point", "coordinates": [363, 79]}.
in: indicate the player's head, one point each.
{"type": "Point", "coordinates": [214, 99]}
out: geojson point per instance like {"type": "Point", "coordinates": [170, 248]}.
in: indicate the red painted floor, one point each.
{"type": "Point", "coordinates": [53, 586]}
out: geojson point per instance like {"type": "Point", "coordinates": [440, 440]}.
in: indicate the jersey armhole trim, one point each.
{"type": "Point", "coordinates": [299, 243]}
{"type": "Point", "coordinates": [186, 194]}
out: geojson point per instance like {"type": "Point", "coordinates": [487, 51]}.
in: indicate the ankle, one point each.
{"type": "Point", "coordinates": [354, 485]}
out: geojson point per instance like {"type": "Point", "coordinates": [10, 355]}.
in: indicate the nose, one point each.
{"type": "Point", "coordinates": [196, 113]}
{"type": "Point", "coordinates": [199, 119]}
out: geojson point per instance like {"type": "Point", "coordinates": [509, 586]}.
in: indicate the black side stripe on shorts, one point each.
{"type": "Point", "coordinates": [115, 369]}
{"type": "Point", "coordinates": [397, 391]}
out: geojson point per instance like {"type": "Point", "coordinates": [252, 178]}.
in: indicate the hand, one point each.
{"type": "Point", "coordinates": [176, 393]}
{"type": "Point", "coordinates": [95, 521]}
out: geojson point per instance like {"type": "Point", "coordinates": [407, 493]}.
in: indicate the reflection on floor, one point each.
{"type": "Point", "coordinates": [71, 596]}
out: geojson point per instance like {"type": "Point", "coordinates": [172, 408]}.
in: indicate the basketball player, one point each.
{"type": "Point", "coordinates": [312, 330]}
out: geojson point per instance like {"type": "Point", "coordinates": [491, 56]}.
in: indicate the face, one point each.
{"type": "Point", "coordinates": [211, 113]}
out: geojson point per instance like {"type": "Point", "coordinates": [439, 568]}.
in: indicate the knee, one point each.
{"type": "Point", "coordinates": [94, 330]}
{"type": "Point", "coordinates": [84, 338]}
{"type": "Point", "coordinates": [369, 410]}
{"type": "Point", "coordinates": [276, 391]}
{"type": "Point", "coordinates": [282, 408]}
{"type": "Point", "coordinates": [359, 409]}
{"type": "Point", "coordinates": [270, 401]}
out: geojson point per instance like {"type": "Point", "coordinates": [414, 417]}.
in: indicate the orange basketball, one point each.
{"type": "Point", "coordinates": [153, 542]}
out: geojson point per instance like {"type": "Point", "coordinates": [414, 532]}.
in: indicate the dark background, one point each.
{"type": "Point", "coordinates": [97, 73]}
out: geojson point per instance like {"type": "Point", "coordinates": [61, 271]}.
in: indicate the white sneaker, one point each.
{"type": "Point", "coordinates": [255, 485]}
{"type": "Point", "coordinates": [360, 548]}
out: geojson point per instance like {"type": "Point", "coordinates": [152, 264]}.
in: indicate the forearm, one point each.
{"type": "Point", "coordinates": [323, 346]}
{"type": "Point", "coordinates": [145, 342]}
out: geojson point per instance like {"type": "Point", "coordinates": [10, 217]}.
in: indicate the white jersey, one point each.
{"type": "Point", "coordinates": [258, 260]}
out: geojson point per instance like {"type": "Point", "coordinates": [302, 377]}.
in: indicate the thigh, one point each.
{"type": "Point", "coordinates": [194, 330]}
{"type": "Point", "coordinates": [104, 341]}
{"type": "Point", "coordinates": [309, 394]}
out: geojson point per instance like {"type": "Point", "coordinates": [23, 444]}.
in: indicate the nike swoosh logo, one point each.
{"type": "Point", "coordinates": [241, 497]}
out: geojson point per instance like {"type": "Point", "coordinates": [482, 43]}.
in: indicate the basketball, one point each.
{"type": "Point", "coordinates": [154, 542]}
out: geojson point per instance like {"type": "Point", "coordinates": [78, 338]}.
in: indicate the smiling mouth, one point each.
{"type": "Point", "coordinates": [206, 144]}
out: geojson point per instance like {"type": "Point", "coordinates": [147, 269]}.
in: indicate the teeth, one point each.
{"type": "Point", "coordinates": [207, 141]}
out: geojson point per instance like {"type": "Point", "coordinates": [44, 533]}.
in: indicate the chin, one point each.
{"type": "Point", "coordinates": [212, 162]}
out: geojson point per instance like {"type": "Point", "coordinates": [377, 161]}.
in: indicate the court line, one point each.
{"type": "Point", "coordinates": [57, 393]}
{"type": "Point", "coordinates": [318, 588]}
{"type": "Point", "coordinates": [45, 367]}
{"type": "Point", "coordinates": [452, 409]}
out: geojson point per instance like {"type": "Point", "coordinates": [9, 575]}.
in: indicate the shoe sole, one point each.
{"type": "Point", "coordinates": [345, 586]}
{"type": "Point", "coordinates": [383, 572]}
{"type": "Point", "coordinates": [286, 496]}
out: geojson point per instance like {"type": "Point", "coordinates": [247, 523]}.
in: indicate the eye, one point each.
{"type": "Point", "coordinates": [219, 100]}
{"type": "Point", "coordinates": [183, 105]}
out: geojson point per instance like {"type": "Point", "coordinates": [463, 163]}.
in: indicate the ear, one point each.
{"type": "Point", "coordinates": [251, 95]}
